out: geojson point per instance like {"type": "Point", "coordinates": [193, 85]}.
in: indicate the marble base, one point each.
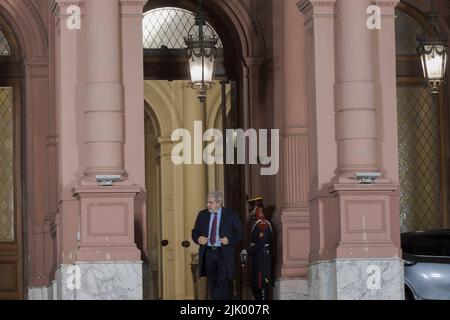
{"type": "Point", "coordinates": [100, 281]}
{"type": "Point", "coordinates": [290, 289]}
{"type": "Point", "coordinates": [321, 283]}
{"type": "Point", "coordinates": [43, 293]}
{"type": "Point", "coordinates": [356, 279]}
{"type": "Point", "coordinates": [38, 293]}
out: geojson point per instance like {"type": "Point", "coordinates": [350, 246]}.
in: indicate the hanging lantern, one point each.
{"type": "Point", "coordinates": [201, 49]}
{"type": "Point", "coordinates": [433, 54]}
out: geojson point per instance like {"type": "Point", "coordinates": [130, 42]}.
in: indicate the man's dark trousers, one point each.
{"type": "Point", "coordinates": [217, 274]}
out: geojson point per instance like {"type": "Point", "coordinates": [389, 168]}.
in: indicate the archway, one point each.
{"type": "Point", "coordinates": [11, 240]}
{"type": "Point", "coordinates": [238, 59]}
{"type": "Point", "coordinates": [422, 130]}
{"type": "Point", "coordinates": [26, 71]}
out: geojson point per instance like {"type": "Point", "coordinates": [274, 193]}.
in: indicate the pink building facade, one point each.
{"type": "Point", "coordinates": [311, 68]}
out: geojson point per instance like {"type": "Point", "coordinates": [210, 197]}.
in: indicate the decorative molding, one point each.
{"type": "Point", "coordinates": [376, 209]}
{"type": "Point", "coordinates": [304, 5]}
{"type": "Point", "coordinates": [293, 256]}
{"type": "Point", "coordinates": [165, 140]}
{"type": "Point", "coordinates": [37, 19]}
{"type": "Point", "coordinates": [385, 3]}
{"type": "Point", "coordinates": [295, 131]}
{"type": "Point", "coordinates": [136, 3]}
{"type": "Point", "coordinates": [296, 170]}
{"type": "Point", "coordinates": [26, 21]}
{"type": "Point", "coordinates": [255, 23]}
{"type": "Point", "coordinates": [132, 9]}
{"type": "Point", "coordinates": [252, 66]}
{"type": "Point", "coordinates": [110, 210]}
{"type": "Point", "coordinates": [55, 6]}
{"type": "Point", "coordinates": [252, 62]}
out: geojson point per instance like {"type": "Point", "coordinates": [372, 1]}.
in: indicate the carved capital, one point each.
{"type": "Point", "coordinates": [58, 7]}
{"type": "Point", "coordinates": [324, 5]}
{"type": "Point", "coordinates": [386, 3]}
{"type": "Point", "coordinates": [132, 8]}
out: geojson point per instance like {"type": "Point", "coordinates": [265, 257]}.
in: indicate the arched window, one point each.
{"type": "Point", "coordinates": [5, 50]}
{"type": "Point", "coordinates": [7, 233]}
{"type": "Point", "coordinates": [164, 30]}
{"type": "Point", "coordinates": [167, 27]}
{"type": "Point", "coordinates": [421, 133]}
{"type": "Point", "coordinates": [6, 165]}
{"type": "Point", "coordinates": [12, 250]}
{"type": "Point", "coordinates": [406, 31]}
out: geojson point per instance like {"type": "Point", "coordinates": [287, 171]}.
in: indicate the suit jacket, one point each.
{"type": "Point", "coordinates": [230, 226]}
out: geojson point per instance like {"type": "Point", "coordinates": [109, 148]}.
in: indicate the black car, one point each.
{"type": "Point", "coordinates": [426, 257]}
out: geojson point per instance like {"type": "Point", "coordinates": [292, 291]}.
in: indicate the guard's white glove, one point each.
{"type": "Point", "coordinates": [244, 252]}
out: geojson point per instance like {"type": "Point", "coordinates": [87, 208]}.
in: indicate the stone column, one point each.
{"type": "Point", "coordinates": [292, 222]}
{"type": "Point", "coordinates": [195, 179]}
{"type": "Point", "coordinates": [319, 47]}
{"type": "Point", "coordinates": [355, 91]}
{"type": "Point", "coordinates": [134, 148]}
{"type": "Point", "coordinates": [68, 72]}
{"type": "Point", "coordinates": [106, 238]}
{"type": "Point", "coordinates": [354, 247]}
{"type": "Point", "coordinates": [252, 118]}
{"type": "Point", "coordinates": [104, 98]}
{"type": "Point", "coordinates": [386, 91]}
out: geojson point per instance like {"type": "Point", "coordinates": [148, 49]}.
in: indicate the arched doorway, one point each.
{"type": "Point", "coordinates": [175, 193]}
{"type": "Point", "coordinates": [183, 189]}
{"type": "Point", "coordinates": [11, 242]}
{"type": "Point", "coordinates": [422, 132]}
{"type": "Point", "coordinates": [24, 70]}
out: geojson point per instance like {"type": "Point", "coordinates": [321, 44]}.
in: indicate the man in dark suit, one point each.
{"type": "Point", "coordinates": [217, 230]}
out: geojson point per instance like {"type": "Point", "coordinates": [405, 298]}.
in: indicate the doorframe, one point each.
{"type": "Point", "coordinates": [18, 244]}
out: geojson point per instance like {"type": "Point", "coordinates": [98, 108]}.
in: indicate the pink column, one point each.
{"type": "Point", "coordinates": [385, 63]}
{"type": "Point", "coordinates": [40, 222]}
{"type": "Point", "coordinates": [387, 98]}
{"type": "Point", "coordinates": [252, 117]}
{"type": "Point", "coordinates": [361, 207]}
{"type": "Point", "coordinates": [354, 226]}
{"type": "Point", "coordinates": [320, 54]}
{"type": "Point", "coordinates": [104, 99]}
{"type": "Point", "coordinates": [292, 222]}
{"type": "Point", "coordinates": [355, 90]}
{"type": "Point", "coordinates": [68, 72]}
{"type": "Point", "coordinates": [107, 213]}
{"type": "Point", "coordinates": [132, 70]}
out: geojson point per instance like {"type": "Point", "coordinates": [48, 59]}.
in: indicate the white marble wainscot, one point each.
{"type": "Point", "coordinates": [356, 279]}
{"type": "Point", "coordinates": [291, 289]}
{"type": "Point", "coordinates": [43, 293]}
{"type": "Point", "coordinates": [53, 291]}
{"type": "Point", "coordinates": [374, 279]}
{"type": "Point", "coordinates": [40, 293]}
{"type": "Point", "coordinates": [100, 281]}
{"type": "Point", "coordinates": [322, 281]}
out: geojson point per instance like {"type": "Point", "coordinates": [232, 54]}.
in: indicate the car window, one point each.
{"type": "Point", "coordinates": [430, 245]}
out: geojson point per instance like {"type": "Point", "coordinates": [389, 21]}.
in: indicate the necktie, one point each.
{"type": "Point", "coordinates": [214, 230]}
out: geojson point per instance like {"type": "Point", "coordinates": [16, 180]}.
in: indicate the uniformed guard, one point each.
{"type": "Point", "coordinates": [259, 250]}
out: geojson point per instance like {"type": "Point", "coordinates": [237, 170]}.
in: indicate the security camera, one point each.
{"type": "Point", "coordinates": [107, 180]}
{"type": "Point", "coordinates": [367, 177]}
